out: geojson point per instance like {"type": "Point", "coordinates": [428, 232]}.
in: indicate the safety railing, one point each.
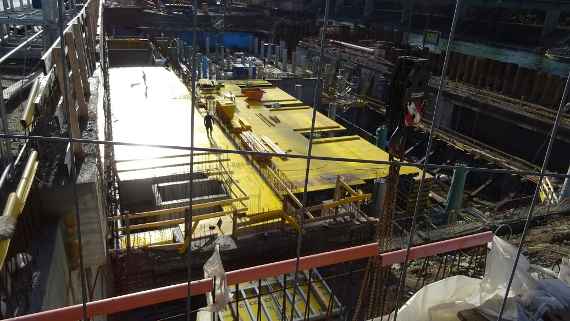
{"type": "Point", "coordinates": [157, 296]}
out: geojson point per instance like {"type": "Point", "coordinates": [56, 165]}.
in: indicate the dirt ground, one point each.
{"type": "Point", "coordinates": [546, 244]}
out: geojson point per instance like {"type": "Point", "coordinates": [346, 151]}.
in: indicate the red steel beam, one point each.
{"type": "Point", "coordinates": [169, 293]}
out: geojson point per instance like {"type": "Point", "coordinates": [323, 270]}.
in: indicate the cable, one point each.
{"type": "Point", "coordinates": [536, 193]}
{"type": "Point", "coordinates": [316, 96]}
{"type": "Point", "coordinates": [402, 281]}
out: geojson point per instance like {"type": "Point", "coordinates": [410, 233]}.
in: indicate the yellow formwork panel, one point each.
{"type": "Point", "coordinates": [290, 133]}
{"type": "Point", "coordinates": [151, 105]}
{"type": "Point", "coordinates": [155, 109]}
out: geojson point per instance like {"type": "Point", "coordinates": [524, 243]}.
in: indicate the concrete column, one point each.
{"type": "Point", "coordinates": [455, 195]}
{"type": "Point", "coordinates": [551, 21]}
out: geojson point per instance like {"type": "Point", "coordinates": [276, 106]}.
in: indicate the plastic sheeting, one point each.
{"type": "Point", "coordinates": [214, 268]}
{"type": "Point", "coordinates": [564, 274]}
{"type": "Point", "coordinates": [528, 299]}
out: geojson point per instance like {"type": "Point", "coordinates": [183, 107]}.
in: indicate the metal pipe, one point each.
{"type": "Point", "coordinates": [271, 154]}
{"type": "Point", "coordinates": [10, 210]}
{"type": "Point", "coordinates": [20, 46]}
{"type": "Point", "coordinates": [174, 292]}
{"type": "Point", "coordinates": [25, 184]}
{"type": "Point", "coordinates": [536, 193]}
{"type": "Point", "coordinates": [353, 46]}
{"type": "Point", "coordinates": [5, 175]}
{"type": "Point", "coordinates": [29, 110]}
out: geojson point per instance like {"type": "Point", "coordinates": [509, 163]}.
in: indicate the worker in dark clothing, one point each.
{"type": "Point", "coordinates": [209, 123]}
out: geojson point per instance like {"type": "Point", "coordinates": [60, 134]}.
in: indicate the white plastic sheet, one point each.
{"type": "Point", "coordinates": [564, 274]}
{"type": "Point", "coordinates": [528, 299]}
{"type": "Point", "coordinates": [214, 268]}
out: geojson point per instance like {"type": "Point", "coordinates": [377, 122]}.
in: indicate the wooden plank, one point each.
{"type": "Point", "coordinates": [79, 28]}
{"type": "Point", "coordinates": [80, 50]}
{"type": "Point", "coordinates": [47, 57]}
{"type": "Point", "coordinates": [344, 201]}
{"type": "Point", "coordinates": [175, 210]}
{"type": "Point", "coordinates": [174, 222]}
{"type": "Point", "coordinates": [89, 34]}
{"type": "Point", "coordinates": [335, 139]}
{"type": "Point", "coordinates": [72, 111]}
{"type": "Point", "coordinates": [308, 129]}
{"type": "Point", "coordinates": [79, 80]}
{"type": "Point", "coordinates": [289, 108]}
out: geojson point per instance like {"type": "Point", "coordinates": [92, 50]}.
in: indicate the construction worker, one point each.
{"type": "Point", "coordinates": [209, 123]}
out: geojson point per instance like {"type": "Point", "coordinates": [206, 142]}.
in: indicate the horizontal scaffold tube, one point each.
{"type": "Point", "coordinates": [169, 293]}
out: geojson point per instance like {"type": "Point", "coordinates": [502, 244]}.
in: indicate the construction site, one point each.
{"type": "Point", "coordinates": [285, 160]}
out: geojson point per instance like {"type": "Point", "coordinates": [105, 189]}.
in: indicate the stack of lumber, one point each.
{"type": "Point", "coordinates": [408, 190]}
{"type": "Point", "coordinates": [240, 125]}
{"type": "Point", "coordinates": [226, 110]}
{"type": "Point", "coordinates": [269, 143]}
{"type": "Point", "coordinates": [254, 143]}
{"type": "Point", "coordinates": [254, 94]}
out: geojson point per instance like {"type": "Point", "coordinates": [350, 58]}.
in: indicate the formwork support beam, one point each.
{"type": "Point", "coordinates": [177, 210]}
{"type": "Point", "coordinates": [174, 292]}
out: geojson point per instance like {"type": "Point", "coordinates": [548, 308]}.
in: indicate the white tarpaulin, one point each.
{"type": "Point", "coordinates": [214, 268]}
{"type": "Point", "coordinates": [528, 299]}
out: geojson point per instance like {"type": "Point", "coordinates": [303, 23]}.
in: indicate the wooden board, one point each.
{"type": "Point", "coordinates": [79, 80]}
